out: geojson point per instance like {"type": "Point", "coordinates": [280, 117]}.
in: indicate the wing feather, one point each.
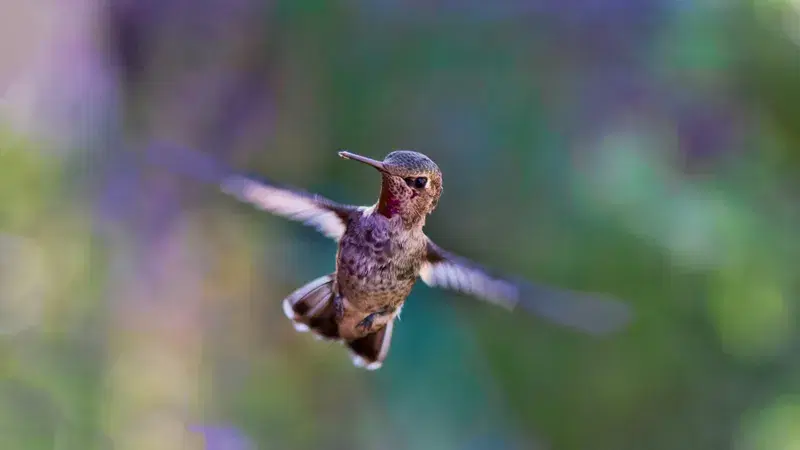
{"type": "Point", "coordinates": [586, 312]}
{"type": "Point", "coordinates": [326, 216]}
{"type": "Point", "coordinates": [329, 217]}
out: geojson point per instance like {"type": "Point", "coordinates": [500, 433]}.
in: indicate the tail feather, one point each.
{"type": "Point", "coordinates": [311, 308]}
{"type": "Point", "coordinates": [370, 351]}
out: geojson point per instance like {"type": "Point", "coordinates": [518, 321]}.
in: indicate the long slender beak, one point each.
{"type": "Point", "coordinates": [376, 164]}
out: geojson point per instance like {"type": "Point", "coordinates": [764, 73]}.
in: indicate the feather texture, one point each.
{"type": "Point", "coordinates": [586, 312]}
{"type": "Point", "coordinates": [326, 216]}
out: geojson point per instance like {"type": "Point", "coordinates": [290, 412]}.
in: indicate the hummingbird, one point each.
{"type": "Point", "coordinates": [383, 251]}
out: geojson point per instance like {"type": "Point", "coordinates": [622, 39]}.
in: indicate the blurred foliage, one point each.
{"type": "Point", "coordinates": [646, 149]}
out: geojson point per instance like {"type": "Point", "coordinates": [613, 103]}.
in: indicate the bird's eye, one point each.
{"type": "Point", "coordinates": [418, 183]}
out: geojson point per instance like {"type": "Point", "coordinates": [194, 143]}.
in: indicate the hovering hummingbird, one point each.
{"type": "Point", "coordinates": [382, 250]}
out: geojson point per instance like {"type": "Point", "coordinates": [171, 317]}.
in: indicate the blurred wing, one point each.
{"type": "Point", "coordinates": [325, 215]}
{"type": "Point", "coordinates": [585, 312]}
{"type": "Point", "coordinates": [328, 217]}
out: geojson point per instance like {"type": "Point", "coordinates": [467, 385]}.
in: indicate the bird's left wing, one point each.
{"type": "Point", "coordinates": [586, 312]}
{"type": "Point", "coordinates": [329, 217]}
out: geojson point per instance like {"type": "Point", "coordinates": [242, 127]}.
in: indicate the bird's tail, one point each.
{"type": "Point", "coordinates": [311, 308]}
{"type": "Point", "coordinates": [370, 351]}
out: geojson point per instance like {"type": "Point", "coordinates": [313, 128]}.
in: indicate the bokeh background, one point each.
{"type": "Point", "coordinates": [647, 149]}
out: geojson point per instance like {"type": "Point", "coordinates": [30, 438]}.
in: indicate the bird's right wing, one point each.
{"type": "Point", "coordinates": [327, 216]}
{"type": "Point", "coordinates": [586, 312]}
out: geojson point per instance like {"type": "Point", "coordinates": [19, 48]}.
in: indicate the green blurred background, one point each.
{"type": "Point", "coordinates": [642, 148]}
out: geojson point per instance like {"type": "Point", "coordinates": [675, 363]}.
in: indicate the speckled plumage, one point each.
{"type": "Point", "coordinates": [383, 251]}
{"type": "Point", "coordinates": [377, 264]}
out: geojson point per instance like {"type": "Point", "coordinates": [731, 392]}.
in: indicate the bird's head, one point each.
{"type": "Point", "coordinates": [412, 184]}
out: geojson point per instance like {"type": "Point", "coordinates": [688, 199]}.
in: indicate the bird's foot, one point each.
{"type": "Point", "coordinates": [366, 323]}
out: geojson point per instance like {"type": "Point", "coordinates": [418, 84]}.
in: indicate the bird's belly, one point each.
{"type": "Point", "coordinates": [369, 294]}
{"type": "Point", "coordinates": [371, 281]}
{"type": "Point", "coordinates": [373, 290]}
{"type": "Point", "coordinates": [376, 268]}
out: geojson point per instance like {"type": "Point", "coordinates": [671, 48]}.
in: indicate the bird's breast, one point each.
{"type": "Point", "coordinates": [376, 267]}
